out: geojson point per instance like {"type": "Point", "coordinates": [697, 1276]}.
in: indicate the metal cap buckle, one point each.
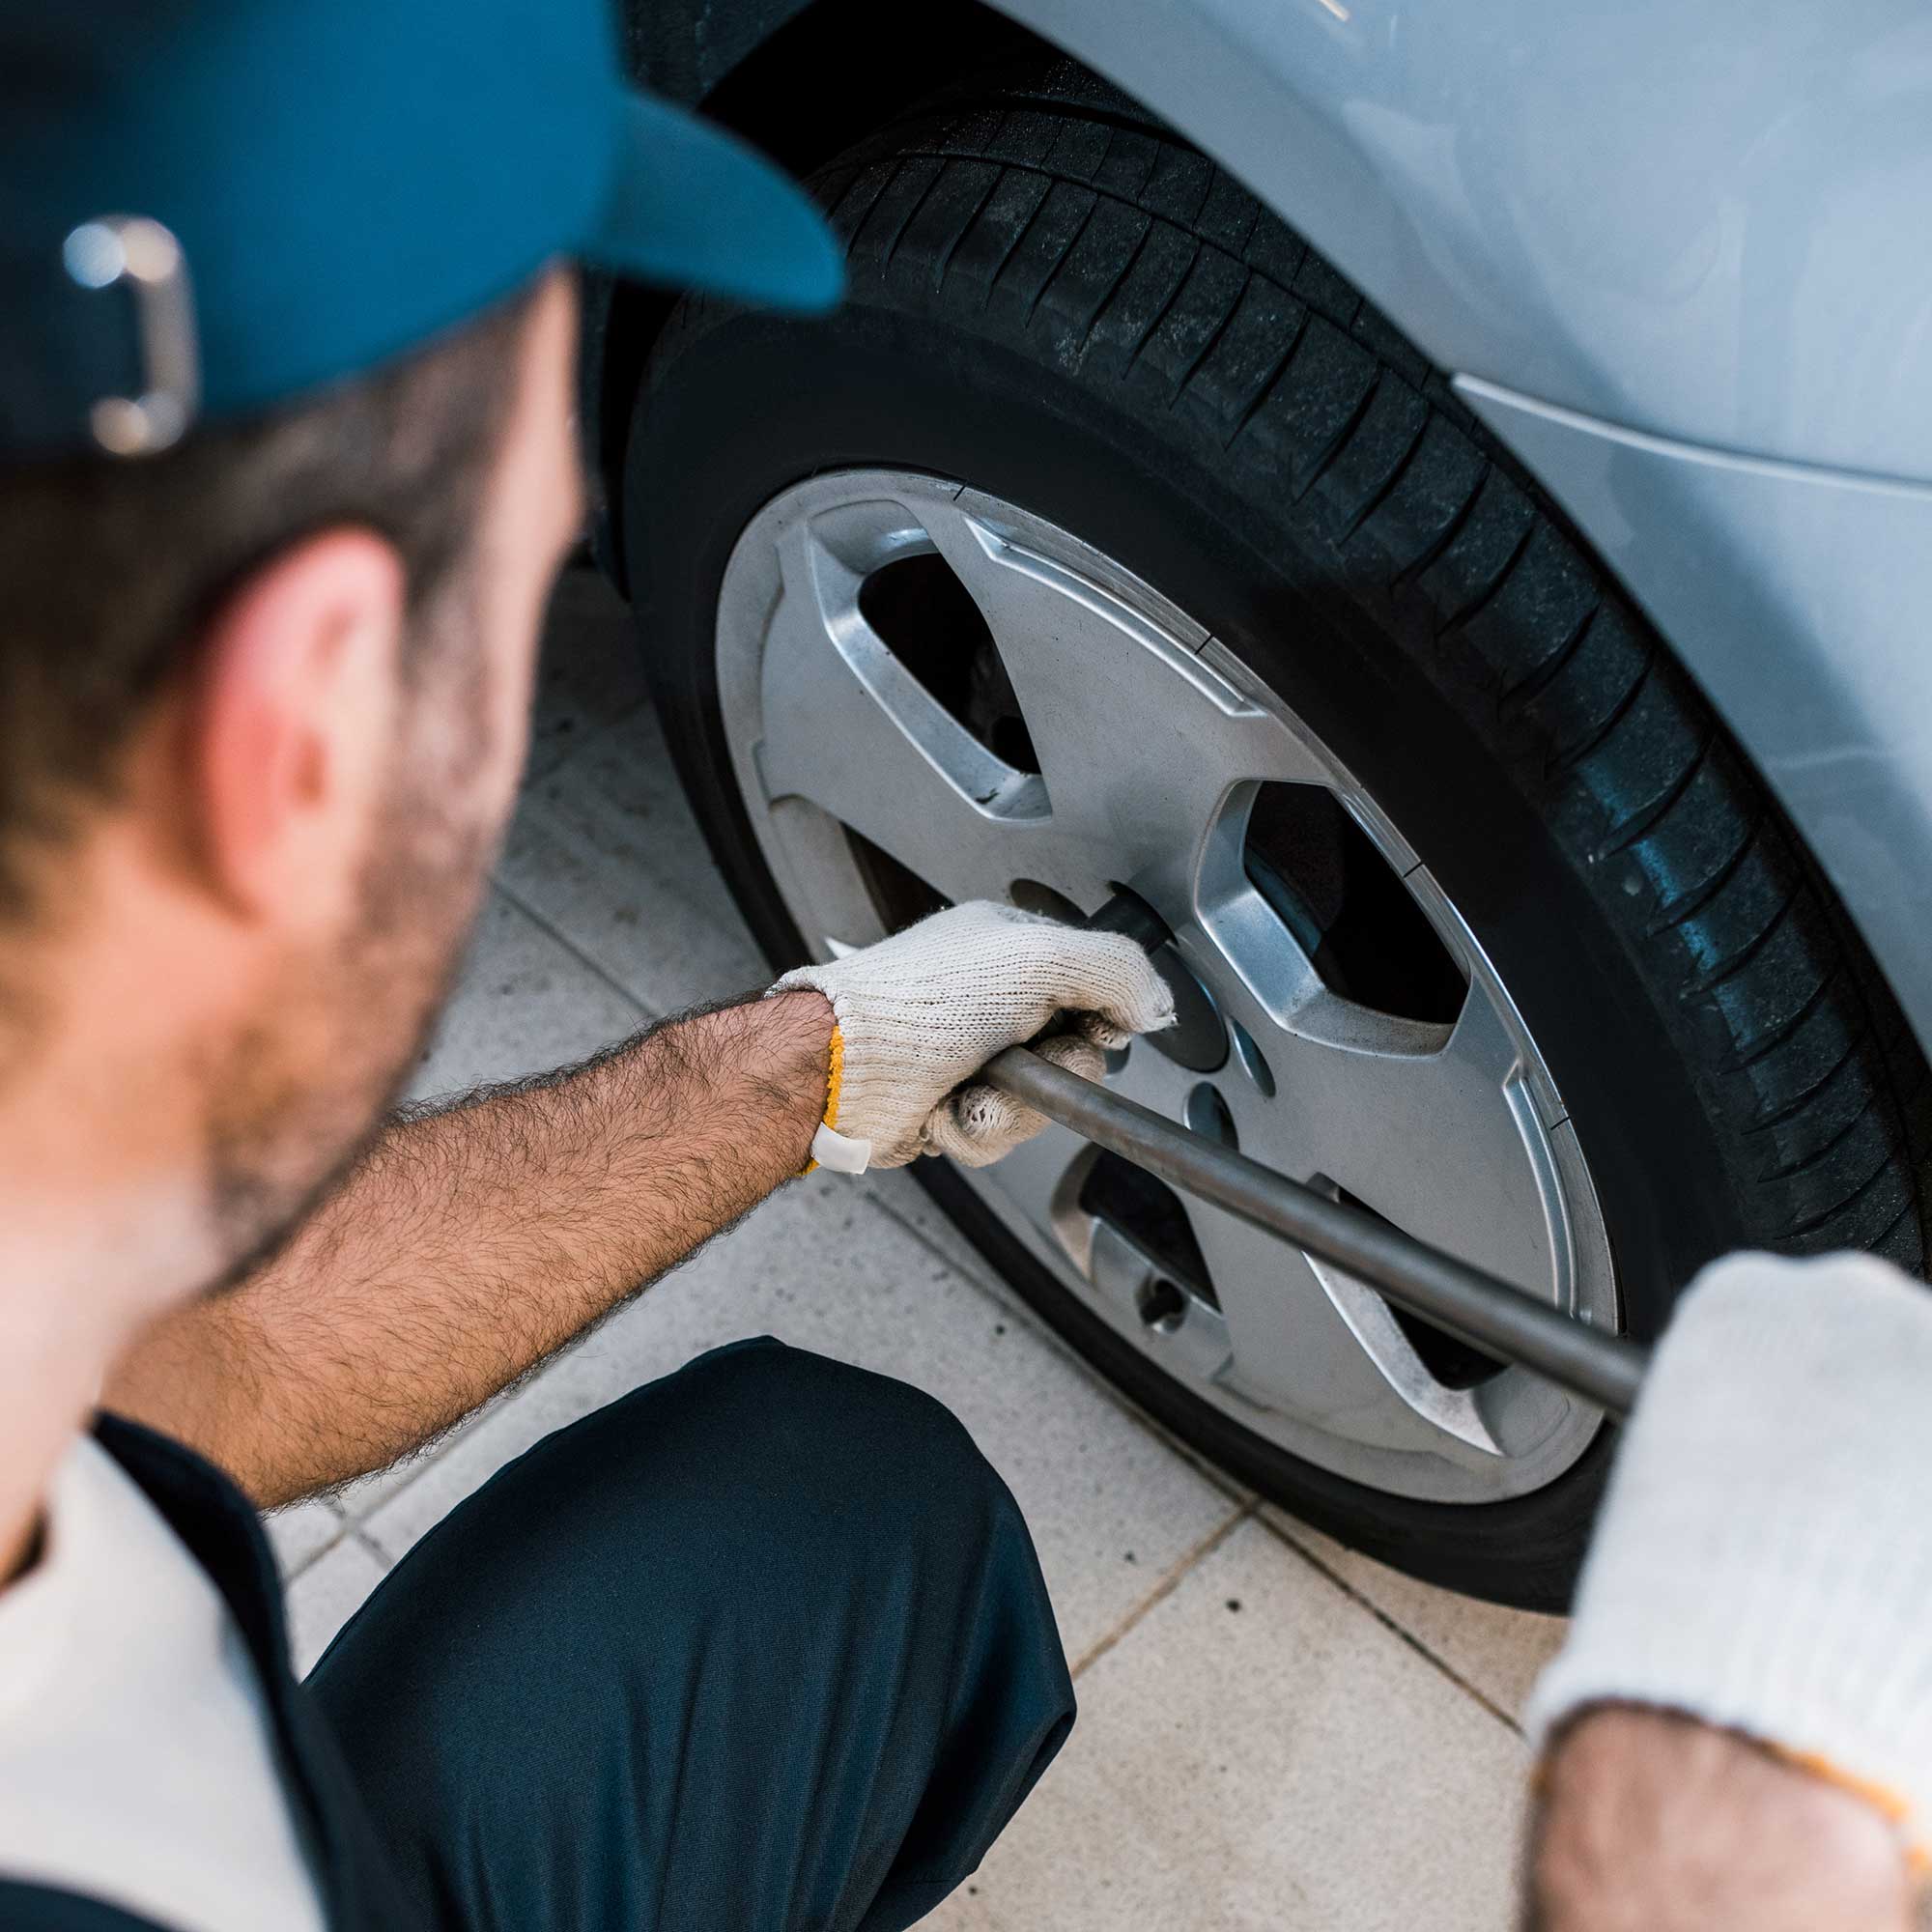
{"type": "Point", "coordinates": [143, 253]}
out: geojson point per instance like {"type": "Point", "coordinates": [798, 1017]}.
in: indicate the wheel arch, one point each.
{"type": "Point", "coordinates": [801, 79]}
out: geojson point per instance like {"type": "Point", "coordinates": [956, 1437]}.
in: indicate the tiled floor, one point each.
{"type": "Point", "coordinates": [1274, 1731]}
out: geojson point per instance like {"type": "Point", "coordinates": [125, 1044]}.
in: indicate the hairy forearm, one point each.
{"type": "Point", "coordinates": [1651, 1822]}
{"type": "Point", "coordinates": [471, 1241]}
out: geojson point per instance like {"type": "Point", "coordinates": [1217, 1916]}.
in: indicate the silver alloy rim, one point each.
{"type": "Point", "coordinates": [1152, 739]}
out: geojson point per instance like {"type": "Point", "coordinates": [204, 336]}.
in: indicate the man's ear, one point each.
{"type": "Point", "coordinates": [289, 723]}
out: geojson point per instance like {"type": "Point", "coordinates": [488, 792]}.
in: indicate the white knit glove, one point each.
{"type": "Point", "coordinates": [1763, 1557]}
{"type": "Point", "coordinates": [920, 1013]}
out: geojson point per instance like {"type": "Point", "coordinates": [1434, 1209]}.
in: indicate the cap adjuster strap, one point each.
{"type": "Point", "coordinates": [140, 251]}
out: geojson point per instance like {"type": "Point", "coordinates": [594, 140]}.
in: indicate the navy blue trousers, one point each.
{"type": "Point", "coordinates": [762, 1647]}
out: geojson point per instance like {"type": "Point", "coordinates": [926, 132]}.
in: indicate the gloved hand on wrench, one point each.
{"type": "Point", "coordinates": [919, 1014]}
{"type": "Point", "coordinates": [1762, 1565]}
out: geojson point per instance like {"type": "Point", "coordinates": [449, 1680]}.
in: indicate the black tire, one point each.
{"type": "Point", "coordinates": [1086, 317]}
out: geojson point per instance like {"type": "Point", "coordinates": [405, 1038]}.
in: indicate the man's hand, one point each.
{"type": "Point", "coordinates": [1656, 1822]}
{"type": "Point", "coordinates": [922, 1011]}
{"type": "Point", "coordinates": [1763, 1565]}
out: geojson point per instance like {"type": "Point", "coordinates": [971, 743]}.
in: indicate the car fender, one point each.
{"type": "Point", "coordinates": [1797, 595]}
{"type": "Point", "coordinates": [1707, 222]}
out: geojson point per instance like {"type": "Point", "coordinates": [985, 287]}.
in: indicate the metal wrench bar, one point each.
{"type": "Point", "coordinates": [1482, 1309]}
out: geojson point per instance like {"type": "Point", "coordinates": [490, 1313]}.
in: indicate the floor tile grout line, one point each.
{"type": "Point", "coordinates": [1169, 1582]}
{"type": "Point", "coordinates": [343, 1529]}
{"type": "Point", "coordinates": [374, 1549]}
{"type": "Point", "coordinates": [978, 1270]}
{"type": "Point", "coordinates": [1389, 1623]}
{"type": "Point", "coordinates": [576, 952]}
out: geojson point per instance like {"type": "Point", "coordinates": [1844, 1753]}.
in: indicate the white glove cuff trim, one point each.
{"type": "Point", "coordinates": [838, 1152]}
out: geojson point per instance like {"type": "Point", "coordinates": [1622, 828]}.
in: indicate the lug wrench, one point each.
{"type": "Point", "coordinates": [1482, 1309]}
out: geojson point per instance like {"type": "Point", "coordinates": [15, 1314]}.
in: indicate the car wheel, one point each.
{"type": "Point", "coordinates": [1107, 537]}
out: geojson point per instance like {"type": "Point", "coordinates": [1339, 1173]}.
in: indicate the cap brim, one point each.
{"type": "Point", "coordinates": [692, 207]}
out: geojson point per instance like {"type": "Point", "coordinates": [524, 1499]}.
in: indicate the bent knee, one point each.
{"type": "Point", "coordinates": [758, 1423]}
{"type": "Point", "coordinates": [757, 1482]}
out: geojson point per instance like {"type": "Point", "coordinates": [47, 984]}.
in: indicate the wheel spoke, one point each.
{"type": "Point", "coordinates": [1304, 1336]}
{"type": "Point", "coordinates": [1042, 1177]}
{"type": "Point", "coordinates": [1292, 1347]}
{"type": "Point", "coordinates": [1427, 1132]}
{"type": "Point", "coordinates": [1137, 739]}
{"type": "Point", "coordinates": [1035, 1177]}
{"type": "Point", "coordinates": [1282, 1340]}
{"type": "Point", "coordinates": [1454, 1411]}
{"type": "Point", "coordinates": [854, 733]}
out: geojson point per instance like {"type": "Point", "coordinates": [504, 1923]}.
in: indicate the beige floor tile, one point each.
{"type": "Point", "coordinates": [300, 1533]}
{"type": "Point", "coordinates": [326, 1595]}
{"type": "Point", "coordinates": [524, 1003]}
{"type": "Point", "coordinates": [1498, 1651]}
{"type": "Point", "coordinates": [1289, 1763]}
{"type": "Point", "coordinates": [913, 1207]}
{"type": "Point", "coordinates": [590, 672]}
{"type": "Point", "coordinates": [821, 1267]}
{"type": "Point", "coordinates": [604, 849]}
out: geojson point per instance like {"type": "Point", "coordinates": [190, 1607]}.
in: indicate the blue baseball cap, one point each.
{"type": "Point", "coordinates": [210, 208]}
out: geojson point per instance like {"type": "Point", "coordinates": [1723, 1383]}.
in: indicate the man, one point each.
{"type": "Point", "coordinates": [284, 413]}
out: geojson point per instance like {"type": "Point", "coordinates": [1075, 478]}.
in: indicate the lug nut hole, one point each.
{"type": "Point", "coordinates": [1254, 1063]}
{"type": "Point", "coordinates": [1207, 1114]}
{"type": "Point", "coordinates": [1161, 1303]}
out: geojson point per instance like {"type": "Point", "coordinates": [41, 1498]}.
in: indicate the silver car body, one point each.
{"type": "Point", "coordinates": [1678, 258]}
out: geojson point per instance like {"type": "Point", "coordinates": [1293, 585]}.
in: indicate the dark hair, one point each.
{"type": "Point", "coordinates": [110, 567]}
